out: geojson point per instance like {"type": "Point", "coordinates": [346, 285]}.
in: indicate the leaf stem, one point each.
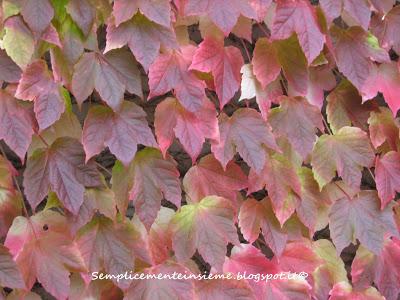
{"type": "Point", "coordinates": [43, 140]}
{"type": "Point", "coordinates": [245, 49]}
{"type": "Point", "coordinates": [326, 125]}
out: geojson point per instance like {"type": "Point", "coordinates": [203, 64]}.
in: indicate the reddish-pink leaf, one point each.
{"type": "Point", "coordinates": [283, 185]}
{"type": "Point", "coordinates": [384, 128]}
{"type": "Point", "coordinates": [299, 17]}
{"type": "Point", "coordinates": [385, 28]}
{"type": "Point", "coordinates": [355, 50]}
{"type": "Point", "coordinates": [110, 75]}
{"type": "Point", "coordinates": [62, 169]}
{"type": "Point", "coordinates": [191, 230]}
{"type": "Point", "coordinates": [385, 79]}
{"type": "Point", "coordinates": [10, 276]}
{"type": "Point", "coordinates": [43, 249]}
{"type": "Point", "coordinates": [108, 246]}
{"type": "Point", "coordinates": [16, 124]}
{"type": "Point", "coordinates": [321, 79]}
{"type": "Point", "coordinates": [83, 13]}
{"type": "Point", "coordinates": [357, 11]}
{"type": "Point", "coordinates": [143, 37]}
{"type": "Point", "coordinates": [120, 131]}
{"type": "Point", "coordinates": [223, 62]}
{"type": "Point", "coordinates": [360, 217]}
{"type": "Point", "coordinates": [383, 269]}
{"type": "Point", "coordinates": [166, 289]}
{"type": "Point", "coordinates": [173, 120]}
{"type": "Point", "coordinates": [298, 120]}
{"type": "Point", "coordinates": [9, 70]}
{"type": "Point", "coordinates": [223, 289]}
{"type": "Point", "coordinates": [154, 178]}
{"type": "Point", "coordinates": [344, 291]}
{"type": "Point", "coordinates": [266, 66]}
{"type": "Point", "coordinates": [346, 152]}
{"type": "Point", "coordinates": [387, 171]}
{"type": "Point", "coordinates": [261, 8]}
{"type": "Point", "coordinates": [247, 133]}
{"type": "Point", "coordinates": [258, 215]}
{"type": "Point", "coordinates": [171, 71]}
{"type": "Point", "coordinates": [223, 14]}
{"type": "Point", "coordinates": [37, 85]}
{"type": "Point", "coordinates": [158, 11]}
{"type": "Point", "coordinates": [209, 178]}
{"type": "Point", "coordinates": [37, 13]}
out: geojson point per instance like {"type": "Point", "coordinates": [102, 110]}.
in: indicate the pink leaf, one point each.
{"type": "Point", "coordinates": [387, 170]}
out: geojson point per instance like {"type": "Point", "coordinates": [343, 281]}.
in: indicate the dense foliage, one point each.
{"type": "Point", "coordinates": [198, 136]}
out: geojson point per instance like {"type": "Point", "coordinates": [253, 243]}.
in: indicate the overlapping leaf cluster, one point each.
{"type": "Point", "coordinates": [186, 136]}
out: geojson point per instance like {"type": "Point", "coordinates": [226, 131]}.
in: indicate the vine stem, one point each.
{"type": "Point", "coordinates": [103, 168]}
{"type": "Point", "coordinates": [246, 50]}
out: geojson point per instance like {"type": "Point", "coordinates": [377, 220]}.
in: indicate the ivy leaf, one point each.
{"type": "Point", "coordinates": [247, 133]}
{"type": "Point", "coordinates": [299, 17]}
{"type": "Point", "coordinates": [346, 152]}
{"type": "Point", "coordinates": [381, 269]}
{"type": "Point", "coordinates": [357, 10]}
{"type": "Point", "coordinates": [355, 51]}
{"type": "Point", "coordinates": [265, 62]}
{"type": "Point", "coordinates": [154, 178]}
{"type": "Point", "coordinates": [9, 273]}
{"type": "Point", "coordinates": [121, 131]}
{"type": "Point", "coordinates": [209, 178]}
{"type": "Point", "coordinates": [107, 246]}
{"type": "Point", "coordinates": [9, 70]}
{"type": "Point", "coordinates": [386, 80]}
{"type": "Point", "coordinates": [61, 168]}
{"type": "Point", "coordinates": [223, 62]}
{"type": "Point", "coordinates": [283, 185]}
{"type": "Point", "coordinates": [261, 8]}
{"type": "Point", "coordinates": [192, 129]}
{"type": "Point", "coordinates": [191, 230]}
{"type": "Point", "coordinates": [385, 29]}
{"type": "Point", "coordinates": [383, 128]}
{"type": "Point", "coordinates": [222, 13]}
{"type": "Point", "coordinates": [360, 217]}
{"type": "Point", "coordinates": [167, 289]}
{"type": "Point", "coordinates": [387, 170]}
{"type": "Point", "coordinates": [83, 14]}
{"type": "Point", "coordinates": [143, 37]}
{"type": "Point", "coordinates": [258, 215]}
{"type": "Point", "coordinates": [37, 85]}
{"type": "Point", "coordinates": [171, 71]}
{"type": "Point", "coordinates": [158, 11]}
{"type": "Point", "coordinates": [110, 75]}
{"type": "Point", "coordinates": [46, 255]}
{"type": "Point", "coordinates": [224, 289]}
{"type": "Point", "coordinates": [345, 108]}
{"type": "Point", "coordinates": [298, 120]}
{"type": "Point", "coordinates": [37, 14]}
{"type": "Point", "coordinates": [16, 124]}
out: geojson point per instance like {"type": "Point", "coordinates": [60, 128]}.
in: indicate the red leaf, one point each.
{"type": "Point", "coordinates": [154, 178]}
{"type": "Point", "coordinates": [171, 71]}
{"type": "Point", "coordinates": [298, 120]}
{"type": "Point", "coordinates": [387, 170]}
{"type": "Point", "coordinates": [355, 49]}
{"type": "Point", "coordinates": [383, 128]}
{"type": "Point", "coordinates": [223, 14]}
{"type": "Point", "coordinates": [385, 79]}
{"type": "Point", "coordinates": [172, 120]}
{"type": "Point", "coordinates": [10, 276]}
{"type": "Point", "coordinates": [344, 291]}
{"type": "Point", "coordinates": [223, 62]}
{"type": "Point", "coordinates": [110, 75]}
{"type": "Point", "coordinates": [121, 131]}
{"type": "Point", "coordinates": [158, 11]}
{"type": "Point", "coordinates": [16, 124]}
{"type": "Point", "coordinates": [385, 28]}
{"type": "Point", "coordinates": [265, 62]}
{"type": "Point", "coordinates": [140, 32]}
{"type": "Point", "coordinates": [37, 13]}
{"type": "Point", "coordinates": [299, 17]}
{"type": "Point", "coordinates": [46, 255]}
{"type": "Point", "coordinates": [261, 8]}
{"type": "Point", "coordinates": [62, 169]}
{"type": "Point", "coordinates": [191, 230]}
{"type": "Point", "coordinates": [247, 133]}
{"type": "Point", "coordinates": [37, 85]}
{"type": "Point", "coordinates": [9, 70]}
{"type": "Point", "coordinates": [258, 215]}
{"type": "Point", "coordinates": [223, 289]}
{"type": "Point", "coordinates": [360, 217]}
{"type": "Point", "coordinates": [209, 178]}
{"type": "Point", "coordinates": [82, 13]}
